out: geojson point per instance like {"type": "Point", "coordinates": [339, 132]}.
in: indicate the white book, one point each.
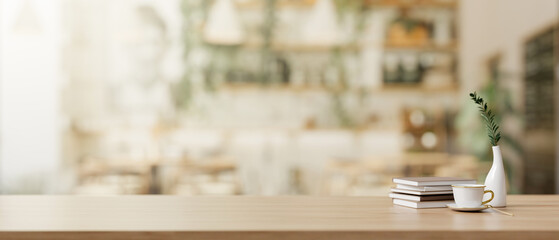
{"type": "Point", "coordinates": [424, 189]}
{"type": "Point", "coordinates": [419, 193]}
{"type": "Point", "coordinates": [429, 204]}
{"type": "Point", "coordinates": [432, 181]}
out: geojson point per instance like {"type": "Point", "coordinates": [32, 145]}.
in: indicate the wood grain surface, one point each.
{"type": "Point", "coordinates": [250, 217]}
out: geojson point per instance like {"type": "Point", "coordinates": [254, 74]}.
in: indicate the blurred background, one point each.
{"type": "Point", "coordinates": [272, 97]}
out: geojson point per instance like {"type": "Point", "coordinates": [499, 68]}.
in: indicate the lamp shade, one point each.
{"type": "Point", "coordinates": [223, 26]}
{"type": "Point", "coordinates": [321, 28]}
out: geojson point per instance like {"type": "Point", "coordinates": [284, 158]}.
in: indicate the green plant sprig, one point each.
{"type": "Point", "coordinates": [489, 117]}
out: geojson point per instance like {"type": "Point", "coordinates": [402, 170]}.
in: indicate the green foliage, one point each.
{"type": "Point", "coordinates": [489, 117]}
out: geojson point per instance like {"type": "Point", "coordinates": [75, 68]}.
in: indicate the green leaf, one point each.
{"type": "Point", "coordinates": [488, 117]}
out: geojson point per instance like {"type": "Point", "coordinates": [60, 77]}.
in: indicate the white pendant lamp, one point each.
{"type": "Point", "coordinates": [321, 28]}
{"type": "Point", "coordinates": [27, 22]}
{"type": "Point", "coordinates": [223, 26]}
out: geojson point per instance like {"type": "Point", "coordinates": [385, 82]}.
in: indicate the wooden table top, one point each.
{"type": "Point", "coordinates": [154, 217]}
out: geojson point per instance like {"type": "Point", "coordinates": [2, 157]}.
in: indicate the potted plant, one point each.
{"type": "Point", "coordinates": [496, 179]}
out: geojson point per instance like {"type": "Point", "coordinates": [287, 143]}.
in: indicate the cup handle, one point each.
{"type": "Point", "coordinates": [492, 195]}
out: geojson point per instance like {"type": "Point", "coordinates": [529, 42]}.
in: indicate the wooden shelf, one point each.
{"type": "Point", "coordinates": [403, 87]}
{"type": "Point", "coordinates": [386, 88]}
{"type": "Point", "coordinates": [412, 3]}
{"type": "Point", "coordinates": [257, 4]}
{"type": "Point", "coordinates": [282, 47]}
{"type": "Point", "coordinates": [452, 47]}
{"type": "Point", "coordinates": [430, 47]}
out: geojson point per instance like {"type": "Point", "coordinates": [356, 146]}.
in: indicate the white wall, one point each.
{"type": "Point", "coordinates": [29, 135]}
{"type": "Point", "coordinates": [498, 26]}
{"type": "Point", "coordinates": [501, 27]}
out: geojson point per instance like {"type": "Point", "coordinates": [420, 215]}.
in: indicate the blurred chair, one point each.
{"type": "Point", "coordinates": [359, 176]}
{"type": "Point", "coordinates": [423, 163]}
{"type": "Point", "coordinates": [103, 176]}
{"type": "Point", "coordinates": [466, 166]}
{"type": "Point", "coordinates": [212, 176]}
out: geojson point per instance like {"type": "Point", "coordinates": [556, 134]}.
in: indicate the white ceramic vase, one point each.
{"type": "Point", "coordinates": [496, 180]}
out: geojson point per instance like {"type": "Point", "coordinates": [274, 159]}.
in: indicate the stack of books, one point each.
{"type": "Point", "coordinates": [425, 192]}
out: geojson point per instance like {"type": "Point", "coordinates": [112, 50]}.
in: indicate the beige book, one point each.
{"type": "Point", "coordinates": [418, 193]}
{"type": "Point", "coordinates": [429, 204]}
{"type": "Point", "coordinates": [425, 189]}
{"type": "Point", "coordinates": [432, 181]}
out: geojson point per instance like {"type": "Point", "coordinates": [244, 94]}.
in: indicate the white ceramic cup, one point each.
{"type": "Point", "coordinates": [470, 195]}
